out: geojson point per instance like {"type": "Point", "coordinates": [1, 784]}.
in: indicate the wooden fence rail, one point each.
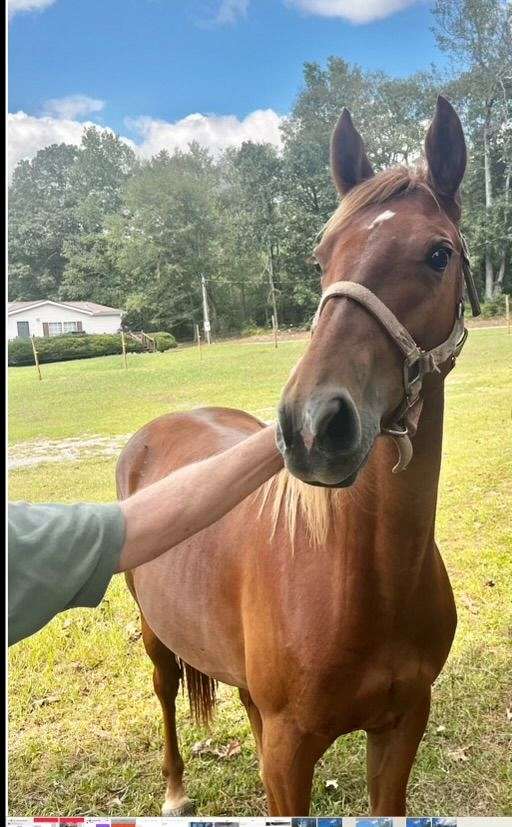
{"type": "Point", "coordinates": [147, 342]}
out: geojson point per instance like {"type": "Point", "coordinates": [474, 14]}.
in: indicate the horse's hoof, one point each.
{"type": "Point", "coordinates": [187, 808]}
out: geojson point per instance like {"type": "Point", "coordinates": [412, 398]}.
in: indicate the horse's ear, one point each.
{"type": "Point", "coordinates": [445, 149]}
{"type": "Point", "coordinates": [349, 163]}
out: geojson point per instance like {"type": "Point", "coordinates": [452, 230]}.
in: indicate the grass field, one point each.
{"type": "Point", "coordinates": [85, 727]}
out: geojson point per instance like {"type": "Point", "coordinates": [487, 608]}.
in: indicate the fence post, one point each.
{"type": "Point", "coordinates": [124, 348]}
{"type": "Point", "coordinates": [36, 358]}
{"type": "Point", "coordinates": [507, 311]}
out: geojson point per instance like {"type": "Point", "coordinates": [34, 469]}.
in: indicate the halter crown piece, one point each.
{"type": "Point", "coordinates": [417, 362]}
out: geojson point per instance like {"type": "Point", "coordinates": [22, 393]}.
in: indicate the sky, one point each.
{"type": "Point", "coordinates": [162, 73]}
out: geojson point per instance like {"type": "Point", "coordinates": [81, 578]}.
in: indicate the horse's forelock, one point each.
{"type": "Point", "coordinates": [377, 190]}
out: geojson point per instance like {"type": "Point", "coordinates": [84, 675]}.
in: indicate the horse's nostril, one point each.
{"type": "Point", "coordinates": [339, 429]}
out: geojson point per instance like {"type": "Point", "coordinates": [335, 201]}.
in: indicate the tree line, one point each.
{"type": "Point", "coordinates": [96, 223]}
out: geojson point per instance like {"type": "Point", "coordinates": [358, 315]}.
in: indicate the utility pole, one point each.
{"type": "Point", "coordinates": [198, 337]}
{"type": "Point", "coordinates": [274, 328]}
{"type": "Point", "coordinates": [206, 315]}
{"type": "Point", "coordinates": [272, 285]}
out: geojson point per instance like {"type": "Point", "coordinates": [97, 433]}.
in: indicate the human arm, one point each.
{"type": "Point", "coordinates": [193, 497]}
{"type": "Point", "coordinates": [63, 556]}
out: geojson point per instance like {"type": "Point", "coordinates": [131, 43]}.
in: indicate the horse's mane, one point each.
{"type": "Point", "coordinates": [316, 505]}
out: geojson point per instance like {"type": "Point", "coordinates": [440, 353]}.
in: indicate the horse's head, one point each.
{"type": "Point", "coordinates": [396, 233]}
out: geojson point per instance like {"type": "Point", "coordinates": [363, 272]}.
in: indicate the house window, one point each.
{"type": "Point", "coordinates": [58, 328]}
{"type": "Point", "coordinates": [23, 330]}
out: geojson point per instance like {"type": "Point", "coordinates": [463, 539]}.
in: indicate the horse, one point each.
{"type": "Point", "coordinates": [323, 596]}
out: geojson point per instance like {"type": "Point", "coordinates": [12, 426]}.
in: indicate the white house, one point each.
{"type": "Point", "coordinates": [44, 317]}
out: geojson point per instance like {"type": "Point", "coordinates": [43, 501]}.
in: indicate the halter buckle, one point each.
{"type": "Point", "coordinates": [396, 430]}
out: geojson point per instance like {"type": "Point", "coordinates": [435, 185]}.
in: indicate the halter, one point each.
{"type": "Point", "coordinates": [417, 362]}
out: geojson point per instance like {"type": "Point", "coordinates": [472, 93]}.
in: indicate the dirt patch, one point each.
{"type": "Point", "coordinates": [265, 338]}
{"type": "Point", "coordinates": [303, 335]}
{"type": "Point", "coordinates": [28, 454]}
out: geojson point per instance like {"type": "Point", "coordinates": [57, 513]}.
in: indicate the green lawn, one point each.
{"type": "Point", "coordinates": [85, 728]}
{"type": "Point", "coordinates": [97, 396]}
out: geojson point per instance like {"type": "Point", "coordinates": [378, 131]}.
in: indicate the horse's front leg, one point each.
{"type": "Point", "coordinates": [390, 756]}
{"type": "Point", "coordinates": [288, 762]}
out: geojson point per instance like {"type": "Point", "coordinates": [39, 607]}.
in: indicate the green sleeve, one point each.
{"type": "Point", "coordinates": [59, 557]}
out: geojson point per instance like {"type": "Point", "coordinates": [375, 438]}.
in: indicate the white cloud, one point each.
{"type": "Point", "coordinates": [357, 11]}
{"type": "Point", "coordinates": [15, 6]}
{"type": "Point", "coordinates": [26, 135]}
{"type": "Point", "coordinates": [230, 10]}
{"type": "Point", "coordinates": [213, 131]}
{"type": "Point", "coordinates": [72, 106]}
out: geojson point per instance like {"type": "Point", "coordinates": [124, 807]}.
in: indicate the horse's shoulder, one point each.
{"type": "Point", "coordinates": [177, 439]}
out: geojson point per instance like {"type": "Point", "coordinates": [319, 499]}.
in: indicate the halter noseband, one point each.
{"type": "Point", "coordinates": [417, 362]}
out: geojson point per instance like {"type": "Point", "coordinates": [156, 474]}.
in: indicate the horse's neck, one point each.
{"type": "Point", "coordinates": [399, 509]}
{"type": "Point", "coordinates": [416, 488]}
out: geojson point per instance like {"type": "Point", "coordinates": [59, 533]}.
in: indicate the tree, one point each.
{"type": "Point", "coordinates": [255, 176]}
{"type": "Point", "coordinates": [166, 237]}
{"type": "Point", "coordinates": [97, 177]}
{"type": "Point", "coordinates": [478, 36]}
{"type": "Point", "coordinates": [41, 217]}
{"type": "Point", "coordinates": [101, 168]}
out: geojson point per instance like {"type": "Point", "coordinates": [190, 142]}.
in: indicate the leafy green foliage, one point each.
{"type": "Point", "coordinates": [64, 348]}
{"type": "Point", "coordinates": [164, 341]}
{"type": "Point", "coordinates": [41, 218]}
{"type": "Point", "coordinates": [493, 307]}
{"type": "Point", "coordinates": [477, 35]}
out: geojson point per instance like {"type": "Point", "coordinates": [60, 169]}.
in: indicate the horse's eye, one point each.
{"type": "Point", "coordinates": [318, 268]}
{"type": "Point", "coordinates": [439, 259]}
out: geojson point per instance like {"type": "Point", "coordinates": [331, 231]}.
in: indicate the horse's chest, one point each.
{"type": "Point", "coordinates": [363, 690]}
{"type": "Point", "coordinates": [363, 617]}
{"type": "Point", "coordinates": [359, 664]}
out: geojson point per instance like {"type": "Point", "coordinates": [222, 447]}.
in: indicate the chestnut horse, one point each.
{"type": "Point", "coordinates": [323, 597]}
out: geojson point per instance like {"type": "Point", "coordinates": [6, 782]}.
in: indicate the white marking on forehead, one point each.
{"type": "Point", "coordinates": [384, 216]}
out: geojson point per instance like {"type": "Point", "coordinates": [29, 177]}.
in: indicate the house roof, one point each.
{"type": "Point", "coordinates": [87, 308]}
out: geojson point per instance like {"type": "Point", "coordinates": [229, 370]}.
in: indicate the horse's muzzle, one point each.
{"type": "Point", "coordinates": [322, 440]}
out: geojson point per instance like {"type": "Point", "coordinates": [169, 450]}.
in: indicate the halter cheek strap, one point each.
{"type": "Point", "coordinates": [417, 362]}
{"type": "Point", "coordinates": [468, 278]}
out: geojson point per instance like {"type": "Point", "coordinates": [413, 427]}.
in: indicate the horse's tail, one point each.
{"type": "Point", "coordinates": [201, 691]}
